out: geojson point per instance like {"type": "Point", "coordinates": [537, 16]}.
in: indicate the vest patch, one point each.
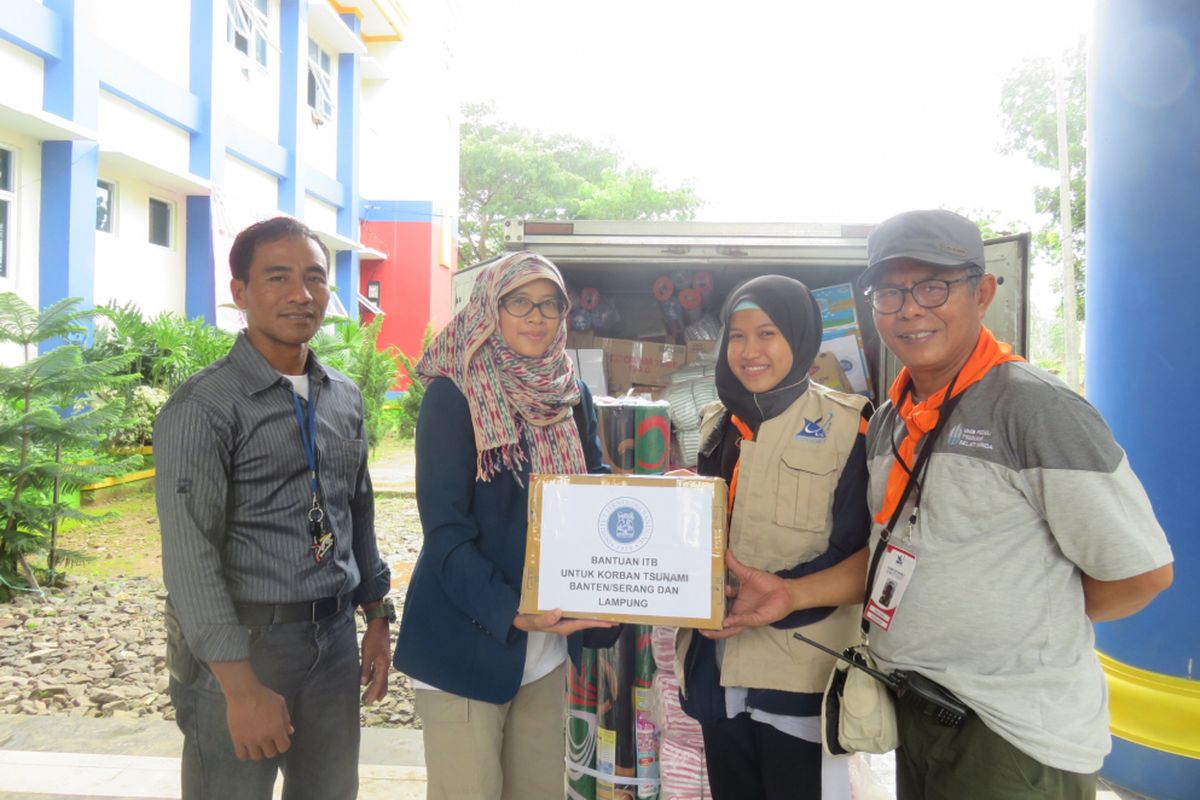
{"type": "Point", "coordinates": [815, 430]}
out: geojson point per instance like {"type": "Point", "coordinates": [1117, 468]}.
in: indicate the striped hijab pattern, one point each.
{"type": "Point", "coordinates": [515, 401]}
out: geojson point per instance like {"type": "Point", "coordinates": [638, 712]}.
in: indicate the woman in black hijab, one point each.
{"type": "Point", "coordinates": [793, 453]}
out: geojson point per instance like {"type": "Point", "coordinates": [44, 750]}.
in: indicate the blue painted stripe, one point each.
{"type": "Point", "coordinates": [33, 27]}
{"type": "Point", "coordinates": [205, 153]}
{"type": "Point", "coordinates": [200, 288]}
{"type": "Point", "coordinates": [255, 150]}
{"type": "Point", "coordinates": [293, 56]}
{"type": "Point", "coordinates": [141, 86]}
{"type": "Point", "coordinates": [323, 187]}
{"type": "Point", "coordinates": [69, 83]}
{"type": "Point", "coordinates": [346, 279]}
{"type": "Point", "coordinates": [67, 235]}
{"type": "Point", "coordinates": [398, 211]}
{"type": "Point", "coordinates": [348, 106]}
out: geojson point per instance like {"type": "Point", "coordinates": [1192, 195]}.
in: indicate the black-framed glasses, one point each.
{"type": "Point", "coordinates": [521, 306]}
{"type": "Point", "coordinates": [929, 293]}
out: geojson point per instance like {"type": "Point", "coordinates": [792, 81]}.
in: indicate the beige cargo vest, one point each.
{"type": "Point", "coordinates": [783, 516]}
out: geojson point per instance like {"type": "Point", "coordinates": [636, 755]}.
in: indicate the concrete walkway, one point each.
{"type": "Point", "coordinates": [86, 758]}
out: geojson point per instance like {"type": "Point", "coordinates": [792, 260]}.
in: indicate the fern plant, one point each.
{"type": "Point", "coordinates": [40, 419]}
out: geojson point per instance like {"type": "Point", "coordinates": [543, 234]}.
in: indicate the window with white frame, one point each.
{"type": "Point", "coordinates": [320, 82]}
{"type": "Point", "coordinates": [247, 27]}
{"type": "Point", "coordinates": [162, 222]}
{"type": "Point", "coordinates": [106, 206]}
{"type": "Point", "coordinates": [7, 202]}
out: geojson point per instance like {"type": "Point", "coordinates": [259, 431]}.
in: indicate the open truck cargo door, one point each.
{"type": "Point", "coordinates": [623, 259]}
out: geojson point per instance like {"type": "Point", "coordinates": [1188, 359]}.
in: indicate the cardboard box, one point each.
{"type": "Point", "coordinates": [827, 371]}
{"type": "Point", "coordinates": [589, 366]}
{"type": "Point", "coordinates": [837, 305]}
{"type": "Point", "coordinates": [580, 339]}
{"type": "Point", "coordinates": [642, 549]}
{"type": "Point", "coordinates": [699, 347]}
{"type": "Point", "coordinates": [629, 362]}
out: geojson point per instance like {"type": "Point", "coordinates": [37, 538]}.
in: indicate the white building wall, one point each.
{"type": "Point", "coordinates": [125, 128]}
{"type": "Point", "coordinates": [319, 215]}
{"type": "Point", "coordinates": [246, 90]}
{"type": "Point", "coordinates": [128, 267]}
{"type": "Point", "coordinates": [247, 195]}
{"type": "Point", "coordinates": [25, 218]}
{"type": "Point", "coordinates": [155, 34]}
{"type": "Point", "coordinates": [318, 138]}
{"type": "Point", "coordinates": [409, 123]}
{"type": "Point", "coordinates": [22, 78]}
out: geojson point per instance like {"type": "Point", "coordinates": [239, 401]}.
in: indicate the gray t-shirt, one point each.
{"type": "Point", "coordinates": [1025, 489]}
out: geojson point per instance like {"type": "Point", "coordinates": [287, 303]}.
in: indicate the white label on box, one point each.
{"type": "Point", "coordinates": [627, 549]}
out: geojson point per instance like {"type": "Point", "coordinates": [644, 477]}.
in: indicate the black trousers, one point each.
{"type": "Point", "coordinates": [750, 760]}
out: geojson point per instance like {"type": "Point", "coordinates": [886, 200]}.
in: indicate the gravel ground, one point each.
{"type": "Point", "coordinates": [97, 648]}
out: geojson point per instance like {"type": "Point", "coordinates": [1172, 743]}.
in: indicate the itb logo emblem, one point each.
{"type": "Point", "coordinates": [625, 525]}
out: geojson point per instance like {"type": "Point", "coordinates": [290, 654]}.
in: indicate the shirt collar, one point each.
{"type": "Point", "coordinates": [257, 373]}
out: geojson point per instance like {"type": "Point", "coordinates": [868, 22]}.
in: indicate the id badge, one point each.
{"type": "Point", "coordinates": [897, 565]}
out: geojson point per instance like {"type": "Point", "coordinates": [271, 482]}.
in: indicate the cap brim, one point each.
{"type": "Point", "coordinates": [865, 279]}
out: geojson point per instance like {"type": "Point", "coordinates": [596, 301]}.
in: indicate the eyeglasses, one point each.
{"type": "Point", "coordinates": [521, 306]}
{"type": "Point", "coordinates": [929, 293]}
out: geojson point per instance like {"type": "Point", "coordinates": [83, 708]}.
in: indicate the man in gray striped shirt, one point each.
{"type": "Point", "coordinates": [268, 539]}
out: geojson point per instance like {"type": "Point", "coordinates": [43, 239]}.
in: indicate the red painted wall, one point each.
{"type": "Point", "coordinates": [414, 282]}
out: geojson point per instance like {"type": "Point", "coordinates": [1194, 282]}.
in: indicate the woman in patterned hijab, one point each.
{"type": "Point", "coordinates": [501, 402]}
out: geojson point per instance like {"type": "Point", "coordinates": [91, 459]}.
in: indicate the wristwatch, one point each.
{"type": "Point", "coordinates": [386, 610]}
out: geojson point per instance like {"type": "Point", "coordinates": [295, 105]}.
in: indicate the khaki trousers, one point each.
{"type": "Point", "coordinates": [483, 751]}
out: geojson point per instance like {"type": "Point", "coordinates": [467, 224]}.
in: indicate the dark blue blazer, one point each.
{"type": "Point", "coordinates": [457, 632]}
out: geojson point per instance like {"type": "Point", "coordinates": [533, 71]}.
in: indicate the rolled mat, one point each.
{"type": "Point", "coordinates": [663, 288]}
{"type": "Point", "coordinates": [617, 425]}
{"type": "Point", "coordinates": [652, 439]}
{"type": "Point", "coordinates": [616, 746]}
{"type": "Point", "coordinates": [646, 730]}
{"type": "Point", "coordinates": [581, 727]}
{"type": "Point", "coordinates": [589, 297]}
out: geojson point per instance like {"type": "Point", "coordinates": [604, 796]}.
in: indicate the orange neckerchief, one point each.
{"type": "Point", "coordinates": [747, 436]}
{"type": "Point", "coordinates": [920, 418]}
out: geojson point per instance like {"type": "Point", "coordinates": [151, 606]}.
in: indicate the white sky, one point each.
{"type": "Point", "coordinates": [809, 110]}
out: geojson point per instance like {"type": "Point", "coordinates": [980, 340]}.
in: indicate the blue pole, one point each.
{"type": "Point", "coordinates": [1143, 327]}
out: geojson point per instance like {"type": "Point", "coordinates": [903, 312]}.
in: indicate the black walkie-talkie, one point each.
{"type": "Point", "coordinates": [913, 688]}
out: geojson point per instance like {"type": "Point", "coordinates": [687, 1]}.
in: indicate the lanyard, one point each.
{"type": "Point", "coordinates": [322, 537]}
{"type": "Point", "coordinates": [308, 438]}
{"type": "Point", "coordinates": [747, 436]}
{"type": "Point", "coordinates": [916, 474]}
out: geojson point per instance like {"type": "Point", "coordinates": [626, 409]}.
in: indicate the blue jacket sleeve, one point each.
{"type": "Point", "coordinates": [446, 463]}
{"type": "Point", "coordinates": [589, 433]}
{"type": "Point", "coordinates": [851, 529]}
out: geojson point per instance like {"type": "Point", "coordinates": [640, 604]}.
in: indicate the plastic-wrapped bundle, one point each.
{"type": "Point", "coordinates": [589, 298]}
{"type": "Point", "coordinates": [681, 743]}
{"type": "Point", "coordinates": [580, 319]}
{"type": "Point", "coordinates": [686, 399]}
{"type": "Point", "coordinates": [581, 727]}
{"type": "Point", "coordinates": [606, 319]}
{"type": "Point", "coordinates": [663, 288]}
{"type": "Point", "coordinates": [707, 328]}
{"type": "Point", "coordinates": [683, 772]}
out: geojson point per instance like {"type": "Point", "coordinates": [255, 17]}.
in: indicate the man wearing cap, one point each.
{"type": "Point", "coordinates": [993, 555]}
{"type": "Point", "coordinates": [268, 532]}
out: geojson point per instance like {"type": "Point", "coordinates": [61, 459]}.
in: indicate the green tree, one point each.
{"type": "Point", "coordinates": [40, 423]}
{"type": "Point", "coordinates": [506, 171]}
{"type": "Point", "coordinates": [1027, 105]}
